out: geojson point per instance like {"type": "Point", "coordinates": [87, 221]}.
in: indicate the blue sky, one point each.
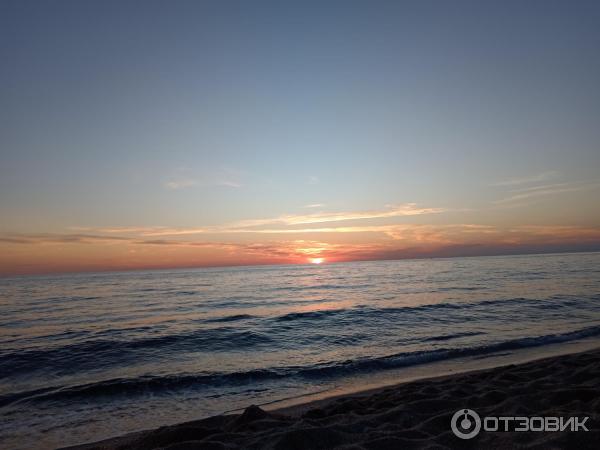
{"type": "Point", "coordinates": [189, 114]}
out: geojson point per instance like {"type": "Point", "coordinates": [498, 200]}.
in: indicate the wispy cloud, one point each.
{"type": "Point", "coordinates": [180, 178]}
{"type": "Point", "coordinates": [62, 252]}
{"type": "Point", "coordinates": [281, 225]}
{"type": "Point", "coordinates": [184, 177]}
{"type": "Point", "coordinates": [180, 183]}
{"type": "Point", "coordinates": [228, 177]}
{"type": "Point", "coordinates": [314, 205]}
{"type": "Point", "coordinates": [518, 196]}
{"type": "Point", "coordinates": [406, 209]}
{"type": "Point", "coordinates": [312, 179]}
{"type": "Point", "coordinates": [536, 178]}
{"type": "Point", "coordinates": [401, 236]}
{"type": "Point", "coordinates": [229, 183]}
{"type": "Point", "coordinates": [60, 238]}
{"type": "Point", "coordinates": [291, 220]}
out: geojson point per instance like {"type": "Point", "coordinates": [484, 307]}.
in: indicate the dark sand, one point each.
{"type": "Point", "coordinates": [410, 415]}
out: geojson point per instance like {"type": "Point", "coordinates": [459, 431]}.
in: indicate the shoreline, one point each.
{"type": "Point", "coordinates": [431, 371]}
{"type": "Point", "coordinates": [271, 425]}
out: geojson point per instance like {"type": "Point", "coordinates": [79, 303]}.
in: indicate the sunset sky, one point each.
{"type": "Point", "coordinates": [197, 133]}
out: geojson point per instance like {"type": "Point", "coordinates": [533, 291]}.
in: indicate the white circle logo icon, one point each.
{"type": "Point", "coordinates": [466, 423]}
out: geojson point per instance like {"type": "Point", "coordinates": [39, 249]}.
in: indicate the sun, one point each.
{"type": "Point", "coordinates": [316, 260]}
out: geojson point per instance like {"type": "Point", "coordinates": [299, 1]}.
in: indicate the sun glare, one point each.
{"type": "Point", "coordinates": [316, 260]}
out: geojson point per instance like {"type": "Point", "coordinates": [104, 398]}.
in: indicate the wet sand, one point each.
{"type": "Point", "coordinates": [410, 415]}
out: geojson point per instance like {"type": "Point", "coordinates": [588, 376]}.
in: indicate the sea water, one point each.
{"type": "Point", "coordinates": [89, 356]}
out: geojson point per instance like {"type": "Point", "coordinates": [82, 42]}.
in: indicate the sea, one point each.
{"type": "Point", "coordinates": [88, 356]}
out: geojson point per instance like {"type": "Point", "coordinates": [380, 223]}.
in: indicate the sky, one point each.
{"type": "Point", "coordinates": [161, 134]}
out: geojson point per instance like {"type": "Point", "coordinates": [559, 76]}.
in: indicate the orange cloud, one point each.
{"type": "Point", "coordinates": [45, 252]}
{"type": "Point", "coordinates": [253, 225]}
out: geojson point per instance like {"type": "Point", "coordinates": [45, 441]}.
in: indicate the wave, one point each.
{"type": "Point", "coordinates": [447, 337]}
{"type": "Point", "coordinates": [114, 347]}
{"type": "Point", "coordinates": [459, 288]}
{"type": "Point", "coordinates": [76, 357]}
{"type": "Point", "coordinates": [555, 302]}
{"type": "Point", "coordinates": [420, 357]}
{"type": "Point", "coordinates": [309, 315]}
{"type": "Point", "coordinates": [313, 287]}
{"type": "Point", "coordinates": [156, 384]}
{"type": "Point", "coordinates": [233, 318]}
{"type": "Point", "coordinates": [138, 386]}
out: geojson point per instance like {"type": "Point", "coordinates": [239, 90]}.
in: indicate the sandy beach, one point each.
{"type": "Point", "coordinates": [410, 415]}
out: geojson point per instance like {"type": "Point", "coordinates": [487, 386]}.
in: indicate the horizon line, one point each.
{"type": "Point", "coordinates": [226, 266]}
